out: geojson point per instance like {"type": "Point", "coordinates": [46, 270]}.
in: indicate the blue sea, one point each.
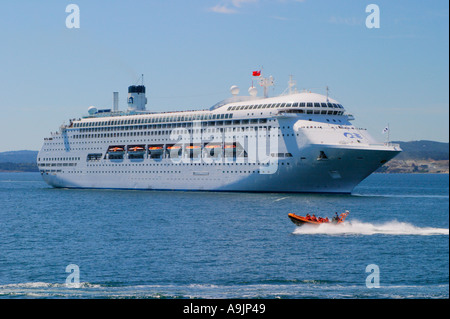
{"type": "Point", "coordinates": [62, 243]}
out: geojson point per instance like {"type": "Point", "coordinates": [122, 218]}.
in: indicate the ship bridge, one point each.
{"type": "Point", "coordinates": [303, 102]}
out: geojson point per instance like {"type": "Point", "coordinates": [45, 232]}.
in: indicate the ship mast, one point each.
{"type": "Point", "coordinates": [265, 83]}
{"type": "Point", "coordinates": [292, 84]}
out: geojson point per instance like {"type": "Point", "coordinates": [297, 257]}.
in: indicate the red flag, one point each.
{"type": "Point", "coordinates": [256, 73]}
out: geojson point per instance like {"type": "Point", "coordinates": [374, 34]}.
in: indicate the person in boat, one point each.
{"type": "Point", "coordinates": [313, 218]}
{"type": "Point", "coordinates": [326, 220]}
{"type": "Point", "coordinates": [336, 217]}
{"type": "Point", "coordinates": [308, 216]}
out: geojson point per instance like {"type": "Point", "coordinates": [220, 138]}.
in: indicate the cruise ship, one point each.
{"type": "Point", "coordinates": [299, 141]}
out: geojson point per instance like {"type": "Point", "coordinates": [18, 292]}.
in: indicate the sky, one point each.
{"type": "Point", "coordinates": [192, 52]}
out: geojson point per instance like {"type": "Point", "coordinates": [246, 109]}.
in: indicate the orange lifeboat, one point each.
{"type": "Point", "coordinates": [116, 149]}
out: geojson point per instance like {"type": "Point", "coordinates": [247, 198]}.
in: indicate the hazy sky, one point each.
{"type": "Point", "coordinates": [191, 52]}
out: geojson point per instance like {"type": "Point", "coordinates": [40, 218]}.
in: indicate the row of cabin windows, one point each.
{"type": "Point", "coordinates": [150, 172]}
{"type": "Point", "coordinates": [146, 172]}
{"type": "Point", "coordinates": [188, 131]}
{"type": "Point", "coordinates": [183, 164]}
{"type": "Point", "coordinates": [160, 119]}
{"type": "Point", "coordinates": [51, 159]}
{"type": "Point", "coordinates": [172, 125]}
{"type": "Point", "coordinates": [56, 164]}
{"type": "Point", "coordinates": [281, 105]}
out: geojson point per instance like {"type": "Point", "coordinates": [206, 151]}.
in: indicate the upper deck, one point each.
{"type": "Point", "coordinates": [233, 108]}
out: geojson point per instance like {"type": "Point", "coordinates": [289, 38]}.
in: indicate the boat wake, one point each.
{"type": "Point", "coordinates": [356, 227]}
{"type": "Point", "coordinates": [277, 200]}
{"type": "Point", "coordinates": [267, 289]}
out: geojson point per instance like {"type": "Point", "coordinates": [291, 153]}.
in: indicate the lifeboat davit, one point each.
{"type": "Point", "coordinates": [302, 220]}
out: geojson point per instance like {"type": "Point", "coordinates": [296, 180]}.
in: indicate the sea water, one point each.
{"type": "Point", "coordinates": [62, 243]}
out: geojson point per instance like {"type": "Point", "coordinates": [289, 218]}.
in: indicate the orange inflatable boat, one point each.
{"type": "Point", "coordinates": [312, 220]}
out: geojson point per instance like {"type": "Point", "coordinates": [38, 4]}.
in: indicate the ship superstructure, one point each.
{"type": "Point", "coordinates": [295, 142]}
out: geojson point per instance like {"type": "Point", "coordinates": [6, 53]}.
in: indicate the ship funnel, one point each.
{"type": "Point", "coordinates": [136, 98]}
{"type": "Point", "coordinates": [115, 101]}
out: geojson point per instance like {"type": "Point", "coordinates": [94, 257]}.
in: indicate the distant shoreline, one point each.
{"type": "Point", "coordinates": [19, 167]}
{"type": "Point", "coordinates": [415, 167]}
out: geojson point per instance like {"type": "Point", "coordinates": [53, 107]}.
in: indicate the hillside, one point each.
{"type": "Point", "coordinates": [423, 150]}
{"type": "Point", "coordinates": [18, 161]}
{"type": "Point", "coordinates": [18, 157]}
{"type": "Point", "coordinates": [417, 157]}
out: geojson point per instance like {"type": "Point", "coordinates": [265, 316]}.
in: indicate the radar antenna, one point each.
{"type": "Point", "coordinates": [265, 83]}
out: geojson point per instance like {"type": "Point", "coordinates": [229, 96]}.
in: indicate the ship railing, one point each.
{"type": "Point", "coordinates": [350, 116]}
{"type": "Point", "coordinates": [389, 144]}
{"type": "Point", "coordinates": [385, 144]}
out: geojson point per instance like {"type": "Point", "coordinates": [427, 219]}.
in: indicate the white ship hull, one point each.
{"type": "Point", "coordinates": [340, 173]}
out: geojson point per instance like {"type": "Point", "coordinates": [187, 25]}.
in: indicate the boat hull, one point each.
{"type": "Point", "coordinates": [340, 173]}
